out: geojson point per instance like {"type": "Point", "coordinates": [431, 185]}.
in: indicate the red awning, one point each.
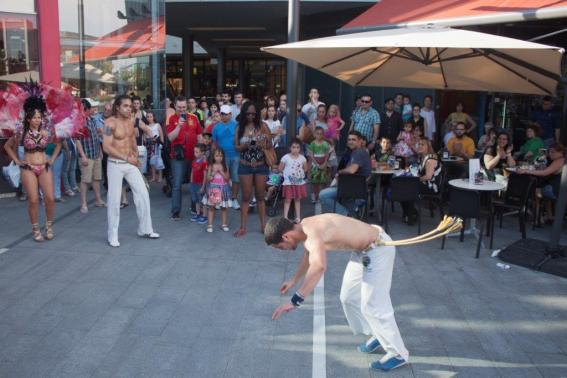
{"type": "Point", "coordinates": [134, 39]}
{"type": "Point", "coordinates": [395, 13]}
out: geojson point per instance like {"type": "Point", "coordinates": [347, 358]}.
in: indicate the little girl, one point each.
{"type": "Point", "coordinates": [294, 165]}
{"type": "Point", "coordinates": [406, 109]}
{"type": "Point", "coordinates": [405, 141]}
{"type": "Point", "coordinates": [319, 152]}
{"type": "Point", "coordinates": [218, 192]}
{"type": "Point", "coordinates": [334, 123]}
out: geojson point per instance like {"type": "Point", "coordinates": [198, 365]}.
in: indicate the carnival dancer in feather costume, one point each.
{"type": "Point", "coordinates": [36, 115]}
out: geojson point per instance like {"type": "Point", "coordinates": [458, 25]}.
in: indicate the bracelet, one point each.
{"type": "Point", "coordinates": [297, 299]}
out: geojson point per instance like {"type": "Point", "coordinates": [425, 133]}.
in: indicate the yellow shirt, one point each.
{"type": "Point", "coordinates": [468, 145]}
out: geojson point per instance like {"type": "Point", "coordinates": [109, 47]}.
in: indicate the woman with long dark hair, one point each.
{"type": "Point", "coordinates": [36, 166]}
{"type": "Point", "coordinates": [498, 157]}
{"type": "Point", "coordinates": [252, 138]}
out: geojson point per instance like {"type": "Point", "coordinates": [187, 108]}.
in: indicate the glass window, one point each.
{"type": "Point", "coordinates": [123, 45]}
{"type": "Point", "coordinates": [19, 52]}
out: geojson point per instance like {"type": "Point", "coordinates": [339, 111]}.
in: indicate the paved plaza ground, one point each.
{"type": "Point", "coordinates": [194, 304]}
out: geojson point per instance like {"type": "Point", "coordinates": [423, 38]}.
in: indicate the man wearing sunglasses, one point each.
{"type": "Point", "coordinates": [358, 164]}
{"type": "Point", "coordinates": [366, 120]}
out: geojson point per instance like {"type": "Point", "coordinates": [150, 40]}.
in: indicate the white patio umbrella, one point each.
{"type": "Point", "coordinates": [440, 58]}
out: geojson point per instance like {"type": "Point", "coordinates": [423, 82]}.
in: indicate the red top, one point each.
{"type": "Point", "coordinates": [198, 170]}
{"type": "Point", "coordinates": [209, 129]}
{"type": "Point", "coordinates": [187, 135]}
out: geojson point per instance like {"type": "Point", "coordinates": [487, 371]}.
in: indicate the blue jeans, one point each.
{"type": "Point", "coordinates": [233, 164]}
{"type": "Point", "coordinates": [180, 169]}
{"type": "Point", "coordinates": [327, 197]}
{"type": "Point", "coordinates": [70, 169]}
{"type": "Point", "coordinates": [57, 168]}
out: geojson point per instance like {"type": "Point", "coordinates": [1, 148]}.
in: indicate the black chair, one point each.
{"type": "Point", "coordinates": [465, 204]}
{"type": "Point", "coordinates": [403, 189]}
{"type": "Point", "coordinates": [437, 199]}
{"type": "Point", "coordinates": [516, 197]}
{"type": "Point", "coordinates": [352, 188]}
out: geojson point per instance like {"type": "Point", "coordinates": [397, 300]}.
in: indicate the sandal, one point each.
{"type": "Point", "coordinates": [102, 204]}
{"type": "Point", "coordinates": [124, 204]}
{"type": "Point", "coordinates": [49, 230]}
{"type": "Point", "coordinates": [240, 233]}
{"type": "Point", "coordinates": [84, 210]}
{"type": "Point", "coordinates": [225, 228]}
{"type": "Point", "coordinates": [209, 228]}
{"type": "Point", "coordinates": [36, 233]}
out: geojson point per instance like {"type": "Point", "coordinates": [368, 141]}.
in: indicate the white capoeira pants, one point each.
{"type": "Point", "coordinates": [116, 171]}
{"type": "Point", "coordinates": [365, 296]}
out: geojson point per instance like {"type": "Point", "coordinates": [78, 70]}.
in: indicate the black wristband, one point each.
{"type": "Point", "coordinates": [297, 299]}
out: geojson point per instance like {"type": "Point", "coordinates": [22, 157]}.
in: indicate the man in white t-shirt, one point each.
{"type": "Point", "coordinates": [429, 115]}
{"type": "Point", "coordinates": [310, 109]}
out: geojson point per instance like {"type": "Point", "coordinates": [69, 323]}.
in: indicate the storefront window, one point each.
{"type": "Point", "coordinates": [19, 52]}
{"type": "Point", "coordinates": [123, 48]}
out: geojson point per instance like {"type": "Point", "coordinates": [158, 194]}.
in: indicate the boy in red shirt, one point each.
{"type": "Point", "coordinates": [198, 169]}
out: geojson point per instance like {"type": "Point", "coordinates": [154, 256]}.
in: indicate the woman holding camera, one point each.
{"type": "Point", "coordinates": [252, 139]}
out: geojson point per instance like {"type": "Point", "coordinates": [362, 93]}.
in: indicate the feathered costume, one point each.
{"type": "Point", "coordinates": [63, 113]}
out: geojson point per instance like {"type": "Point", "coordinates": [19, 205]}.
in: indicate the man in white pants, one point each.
{"type": "Point", "coordinates": [365, 292]}
{"type": "Point", "coordinates": [120, 144]}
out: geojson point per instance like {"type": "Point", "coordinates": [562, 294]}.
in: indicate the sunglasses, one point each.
{"type": "Point", "coordinates": [225, 114]}
{"type": "Point", "coordinates": [366, 101]}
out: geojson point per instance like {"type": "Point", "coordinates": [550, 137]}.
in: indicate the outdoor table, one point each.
{"type": "Point", "coordinates": [378, 172]}
{"type": "Point", "coordinates": [486, 187]}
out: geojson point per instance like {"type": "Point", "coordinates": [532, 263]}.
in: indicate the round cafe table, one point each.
{"type": "Point", "coordinates": [377, 173]}
{"type": "Point", "coordinates": [485, 186]}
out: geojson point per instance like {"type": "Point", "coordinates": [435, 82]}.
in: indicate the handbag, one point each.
{"type": "Point", "coordinates": [270, 156]}
{"type": "Point", "coordinates": [12, 174]}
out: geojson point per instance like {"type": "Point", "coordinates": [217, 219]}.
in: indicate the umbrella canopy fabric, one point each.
{"type": "Point", "coordinates": [429, 57]}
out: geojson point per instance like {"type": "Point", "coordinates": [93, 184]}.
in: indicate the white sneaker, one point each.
{"type": "Point", "coordinates": [235, 204]}
{"type": "Point", "coordinates": [114, 243]}
{"type": "Point", "coordinates": [151, 235]}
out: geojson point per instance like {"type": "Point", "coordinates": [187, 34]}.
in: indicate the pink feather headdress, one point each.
{"type": "Point", "coordinates": [64, 113]}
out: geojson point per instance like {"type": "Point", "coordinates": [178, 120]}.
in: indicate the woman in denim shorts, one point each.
{"type": "Point", "coordinates": [251, 138]}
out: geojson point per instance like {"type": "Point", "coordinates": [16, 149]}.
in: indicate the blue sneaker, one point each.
{"type": "Point", "coordinates": [195, 218]}
{"type": "Point", "coordinates": [202, 220]}
{"type": "Point", "coordinates": [387, 363]}
{"type": "Point", "coordinates": [370, 346]}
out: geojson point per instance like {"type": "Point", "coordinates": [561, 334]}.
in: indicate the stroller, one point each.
{"type": "Point", "coordinates": [275, 182]}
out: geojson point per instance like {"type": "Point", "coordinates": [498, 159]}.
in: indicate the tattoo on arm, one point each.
{"type": "Point", "coordinates": [107, 130]}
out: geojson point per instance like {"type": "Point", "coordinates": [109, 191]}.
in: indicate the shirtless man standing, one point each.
{"type": "Point", "coordinates": [365, 292]}
{"type": "Point", "coordinates": [120, 144]}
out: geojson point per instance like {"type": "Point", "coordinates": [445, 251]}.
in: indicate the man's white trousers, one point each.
{"type": "Point", "coordinates": [116, 172]}
{"type": "Point", "coordinates": [365, 296]}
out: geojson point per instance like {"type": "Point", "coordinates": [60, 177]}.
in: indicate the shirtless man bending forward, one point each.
{"type": "Point", "coordinates": [365, 292]}
{"type": "Point", "coordinates": [120, 144]}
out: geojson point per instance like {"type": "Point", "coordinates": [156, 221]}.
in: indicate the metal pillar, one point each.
{"type": "Point", "coordinates": [82, 72]}
{"type": "Point", "coordinates": [155, 59]}
{"type": "Point", "coordinates": [292, 36]}
{"type": "Point", "coordinates": [220, 70]}
{"type": "Point", "coordinates": [188, 64]}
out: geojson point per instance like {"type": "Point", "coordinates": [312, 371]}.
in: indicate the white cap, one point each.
{"type": "Point", "coordinates": [92, 102]}
{"type": "Point", "coordinates": [226, 109]}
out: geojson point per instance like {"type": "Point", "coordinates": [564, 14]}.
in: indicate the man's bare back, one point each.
{"type": "Point", "coordinates": [340, 233]}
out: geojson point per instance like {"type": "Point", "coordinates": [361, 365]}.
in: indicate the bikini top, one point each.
{"type": "Point", "coordinates": [34, 143]}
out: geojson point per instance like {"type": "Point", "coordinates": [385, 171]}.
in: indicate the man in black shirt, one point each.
{"type": "Point", "coordinates": [391, 121]}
